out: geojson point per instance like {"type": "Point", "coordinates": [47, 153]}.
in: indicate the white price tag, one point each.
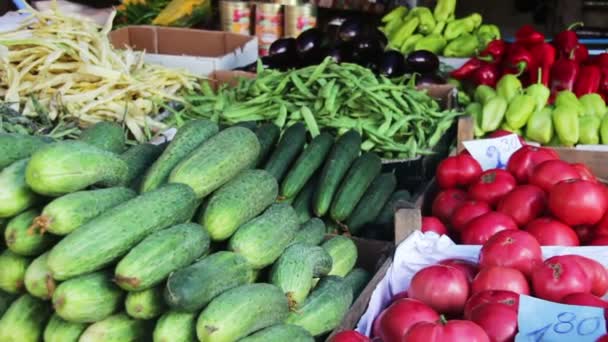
{"type": "Point", "coordinates": [493, 153]}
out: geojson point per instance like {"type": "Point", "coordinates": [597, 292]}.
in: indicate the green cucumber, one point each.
{"type": "Point", "coordinates": [343, 253]}
{"type": "Point", "coordinates": [307, 164]}
{"type": "Point", "coordinates": [15, 195]}
{"type": "Point", "coordinates": [359, 177]}
{"type": "Point", "coordinates": [14, 147]}
{"type": "Point", "coordinates": [280, 332]}
{"type": "Point", "coordinates": [117, 328]}
{"type": "Point", "coordinates": [357, 279]}
{"type": "Point", "coordinates": [324, 309]}
{"type": "Point", "coordinates": [340, 158]}
{"type": "Point", "coordinates": [188, 137]}
{"type": "Point", "coordinates": [217, 161]}
{"type": "Point", "coordinates": [87, 298]}
{"type": "Point", "coordinates": [268, 135]}
{"type": "Point", "coordinates": [60, 330]}
{"type": "Point", "coordinates": [372, 202]}
{"type": "Point", "coordinates": [24, 241]}
{"type": "Point", "coordinates": [69, 166]}
{"type": "Point", "coordinates": [139, 158]}
{"type": "Point", "coordinates": [302, 203]}
{"type": "Point", "coordinates": [240, 311]}
{"type": "Point", "coordinates": [161, 253]}
{"type": "Point", "coordinates": [175, 326]}
{"type": "Point", "coordinates": [112, 234]}
{"type": "Point", "coordinates": [6, 299]}
{"type": "Point", "coordinates": [193, 287]}
{"type": "Point", "coordinates": [287, 150]}
{"type": "Point", "coordinates": [387, 213]}
{"type": "Point", "coordinates": [12, 271]}
{"type": "Point", "coordinates": [238, 201]}
{"type": "Point", "coordinates": [66, 213]}
{"type": "Point", "coordinates": [146, 304]}
{"type": "Point", "coordinates": [262, 240]}
{"type": "Point", "coordinates": [38, 280]}
{"type": "Point", "coordinates": [108, 136]}
{"type": "Point", "coordinates": [25, 319]}
{"type": "Point", "coordinates": [312, 232]}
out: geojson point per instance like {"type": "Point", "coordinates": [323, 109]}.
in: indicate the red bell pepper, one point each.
{"type": "Point", "coordinates": [488, 74]}
{"type": "Point", "coordinates": [544, 56]}
{"type": "Point", "coordinates": [528, 35]}
{"type": "Point", "coordinates": [601, 60]}
{"type": "Point", "coordinates": [567, 41]}
{"type": "Point", "coordinates": [563, 75]}
{"type": "Point", "coordinates": [518, 60]}
{"type": "Point", "coordinates": [467, 69]}
{"type": "Point", "coordinates": [494, 52]}
{"type": "Point", "coordinates": [604, 80]}
{"type": "Point", "coordinates": [581, 53]}
{"type": "Point", "coordinates": [588, 80]}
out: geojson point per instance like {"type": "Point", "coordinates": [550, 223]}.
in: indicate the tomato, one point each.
{"type": "Point", "coordinates": [433, 224]}
{"type": "Point", "coordinates": [444, 288]}
{"type": "Point", "coordinates": [502, 132]}
{"type": "Point", "coordinates": [481, 228]}
{"type": "Point", "coordinates": [584, 172]}
{"type": "Point", "coordinates": [491, 186]}
{"type": "Point", "coordinates": [466, 212]}
{"type": "Point", "coordinates": [596, 272]}
{"type": "Point", "coordinates": [602, 227]}
{"type": "Point", "coordinates": [450, 331]}
{"type": "Point", "coordinates": [523, 204]}
{"type": "Point", "coordinates": [349, 336]}
{"type": "Point", "coordinates": [500, 278]}
{"type": "Point", "coordinates": [446, 202]}
{"type": "Point", "coordinates": [585, 234]}
{"type": "Point", "coordinates": [399, 295]}
{"type": "Point", "coordinates": [457, 171]}
{"type": "Point", "coordinates": [508, 298]}
{"type": "Point", "coordinates": [522, 162]}
{"type": "Point", "coordinates": [599, 241]}
{"type": "Point", "coordinates": [468, 267]}
{"type": "Point", "coordinates": [559, 276]}
{"type": "Point", "coordinates": [512, 248]}
{"type": "Point", "coordinates": [551, 232]}
{"type": "Point", "coordinates": [578, 202]}
{"type": "Point", "coordinates": [584, 299]}
{"type": "Point", "coordinates": [551, 172]}
{"type": "Point", "coordinates": [604, 338]}
{"type": "Point", "coordinates": [395, 320]}
{"type": "Point", "coordinates": [498, 320]}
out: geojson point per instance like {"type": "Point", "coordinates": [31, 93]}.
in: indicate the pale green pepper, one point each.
{"type": "Point", "coordinates": [399, 36]}
{"type": "Point", "coordinates": [427, 21]}
{"type": "Point", "coordinates": [474, 109]}
{"type": "Point", "coordinates": [433, 43]}
{"type": "Point", "coordinates": [593, 104]}
{"type": "Point", "coordinates": [567, 128]}
{"type": "Point", "coordinates": [484, 93]}
{"type": "Point", "coordinates": [604, 130]}
{"type": "Point", "coordinates": [519, 110]}
{"type": "Point", "coordinates": [505, 126]}
{"type": "Point", "coordinates": [540, 93]}
{"type": "Point", "coordinates": [540, 126]}
{"type": "Point", "coordinates": [465, 45]}
{"type": "Point", "coordinates": [567, 98]}
{"type": "Point", "coordinates": [444, 9]}
{"type": "Point", "coordinates": [493, 113]}
{"type": "Point", "coordinates": [508, 86]}
{"type": "Point", "coordinates": [462, 26]}
{"type": "Point", "coordinates": [589, 127]}
{"type": "Point", "coordinates": [410, 43]}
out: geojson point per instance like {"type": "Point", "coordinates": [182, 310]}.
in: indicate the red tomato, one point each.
{"type": "Point", "coordinates": [450, 331]}
{"type": "Point", "coordinates": [444, 288]}
{"type": "Point", "coordinates": [468, 267]}
{"type": "Point", "coordinates": [512, 248]}
{"type": "Point", "coordinates": [433, 224]}
{"type": "Point", "coordinates": [602, 227]}
{"type": "Point", "coordinates": [551, 172]}
{"type": "Point", "coordinates": [584, 299]}
{"type": "Point", "coordinates": [502, 132]}
{"type": "Point", "coordinates": [599, 241]}
{"type": "Point", "coordinates": [480, 229]}
{"type": "Point", "coordinates": [491, 186]}
{"type": "Point", "coordinates": [578, 202]}
{"type": "Point", "coordinates": [457, 171]}
{"type": "Point", "coordinates": [349, 336]}
{"type": "Point", "coordinates": [466, 212]}
{"type": "Point", "coordinates": [522, 162]}
{"type": "Point", "coordinates": [551, 232]}
{"type": "Point", "coordinates": [523, 204]}
{"type": "Point", "coordinates": [604, 338]}
{"type": "Point", "coordinates": [397, 319]}
{"type": "Point", "coordinates": [508, 298]}
{"type": "Point", "coordinates": [500, 278]}
{"type": "Point", "coordinates": [584, 172]}
{"type": "Point", "coordinates": [446, 202]}
{"type": "Point", "coordinates": [498, 320]}
{"type": "Point", "coordinates": [596, 272]}
{"type": "Point", "coordinates": [399, 295]}
{"type": "Point", "coordinates": [585, 234]}
{"type": "Point", "coordinates": [559, 276]}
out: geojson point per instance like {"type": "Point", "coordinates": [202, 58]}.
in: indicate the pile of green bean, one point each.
{"type": "Point", "coordinates": [394, 119]}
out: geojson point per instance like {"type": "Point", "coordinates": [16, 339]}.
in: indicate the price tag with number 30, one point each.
{"type": "Point", "coordinates": [543, 321]}
{"type": "Point", "coordinates": [493, 153]}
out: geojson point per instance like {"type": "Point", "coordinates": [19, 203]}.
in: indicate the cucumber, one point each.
{"type": "Point", "coordinates": [175, 326]}
{"type": "Point", "coordinates": [108, 136]}
{"type": "Point", "coordinates": [193, 287]}
{"type": "Point", "coordinates": [66, 213]}
{"type": "Point", "coordinates": [112, 234]}
{"type": "Point", "coordinates": [68, 166]}
{"type": "Point", "coordinates": [340, 158]}
{"type": "Point", "coordinates": [307, 164]}
{"type": "Point", "coordinates": [237, 202]}
{"type": "Point", "coordinates": [302, 203]}
{"type": "Point", "coordinates": [60, 330]}
{"type": "Point", "coordinates": [324, 309]}
{"type": "Point", "coordinates": [161, 253]}
{"type": "Point", "coordinates": [287, 150]}
{"type": "Point", "coordinates": [387, 213]}
{"type": "Point", "coordinates": [6, 299]}
{"type": "Point", "coordinates": [117, 328]}
{"type": "Point", "coordinates": [240, 311]}
{"type": "Point", "coordinates": [87, 298]}
{"type": "Point", "coordinates": [188, 137]}
{"type": "Point", "coordinates": [24, 320]}
{"type": "Point", "coordinates": [146, 304]}
{"type": "Point", "coordinates": [280, 332]}
{"type": "Point", "coordinates": [139, 158]}
{"type": "Point", "coordinates": [23, 241]}
{"type": "Point", "coordinates": [262, 240]}
{"type": "Point", "coordinates": [15, 195]}
{"type": "Point", "coordinates": [343, 253]}
{"type": "Point", "coordinates": [312, 232]}
{"type": "Point", "coordinates": [268, 135]}
{"type": "Point", "coordinates": [372, 202]}
{"type": "Point", "coordinates": [38, 280]}
{"type": "Point", "coordinates": [12, 271]}
{"type": "Point", "coordinates": [356, 182]}
{"type": "Point", "coordinates": [217, 161]}
{"type": "Point", "coordinates": [14, 147]}
{"type": "Point", "coordinates": [357, 279]}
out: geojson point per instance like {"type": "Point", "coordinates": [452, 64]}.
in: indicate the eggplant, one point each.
{"type": "Point", "coordinates": [351, 29]}
{"type": "Point", "coordinates": [268, 62]}
{"type": "Point", "coordinates": [380, 37]}
{"type": "Point", "coordinates": [342, 53]}
{"type": "Point", "coordinates": [429, 78]}
{"type": "Point", "coordinates": [310, 41]}
{"type": "Point", "coordinates": [392, 64]}
{"type": "Point", "coordinates": [283, 46]}
{"type": "Point", "coordinates": [367, 50]}
{"type": "Point", "coordinates": [422, 61]}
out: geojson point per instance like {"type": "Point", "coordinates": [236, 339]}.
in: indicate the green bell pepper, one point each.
{"type": "Point", "coordinates": [439, 27]}
{"type": "Point", "coordinates": [465, 45]}
{"type": "Point", "coordinates": [508, 86]}
{"type": "Point", "coordinates": [490, 30]}
{"type": "Point", "coordinates": [399, 36]}
{"type": "Point", "coordinates": [427, 21]}
{"type": "Point", "coordinates": [540, 93]}
{"type": "Point", "coordinates": [484, 93]}
{"type": "Point", "coordinates": [565, 121]}
{"type": "Point", "coordinates": [589, 127]}
{"type": "Point", "coordinates": [410, 43]}
{"type": "Point", "coordinates": [519, 110]}
{"type": "Point", "coordinates": [396, 13]}
{"type": "Point", "coordinates": [593, 104]}
{"type": "Point", "coordinates": [444, 9]}
{"type": "Point", "coordinates": [391, 28]}
{"type": "Point", "coordinates": [505, 126]}
{"type": "Point", "coordinates": [463, 98]}
{"type": "Point", "coordinates": [474, 109]}
{"type": "Point", "coordinates": [493, 113]}
{"type": "Point", "coordinates": [567, 98]}
{"type": "Point", "coordinates": [462, 26]}
{"type": "Point", "coordinates": [604, 130]}
{"type": "Point", "coordinates": [484, 40]}
{"type": "Point", "coordinates": [434, 43]}
{"type": "Point", "coordinates": [540, 126]}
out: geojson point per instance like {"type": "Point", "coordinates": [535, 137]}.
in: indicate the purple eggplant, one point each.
{"type": "Point", "coordinates": [351, 29]}
{"type": "Point", "coordinates": [392, 64]}
{"type": "Point", "coordinates": [422, 61]}
{"type": "Point", "coordinates": [380, 37]}
{"type": "Point", "coordinates": [428, 79]}
{"type": "Point", "coordinates": [283, 46]}
{"type": "Point", "coordinates": [342, 53]}
{"type": "Point", "coordinates": [367, 50]}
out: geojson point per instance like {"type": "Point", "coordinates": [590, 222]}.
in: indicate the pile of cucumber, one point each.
{"type": "Point", "coordinates": [210, 237]}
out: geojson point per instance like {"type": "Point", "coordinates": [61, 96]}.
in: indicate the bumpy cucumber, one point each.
{"type": "Point", "coordinates": [237, 202]}
{"type": "Point", "coordinates": [287, 150]}
{"type": "Point", "coordinates": [110, 235]}
{"type": "Point", "coordinates": [139, 158]}
{"type": "Point", "coordinates": [302, 203]}
{"type": "Point", "coordinates": [24, 320]}
{"type": "Point", "coordinates": [24, 241]}
{"type": "Point", "coordinates": [268, 135]}
{"type": "Point", "coordinates": [14, 147]}
{"type": "Point", "coordinates": [372, 202]}
{"type": "Point", "coordinates": [105, 135]}
{"type": "Point", "coordinates": [117, 328]}
{"type": "Point", "coordinates": [175, 326]}
{"type": "Point", "coordinates": [60, 330]}
{"type": "Point", "coordinates": [69, 166]}
{"type": "Point", "coordinates": [188, 137]}
{"type": "Point", "coordinates": [15, 195]}
{"type": "Point", "coordinates": [312, 232]}
{"type": "Point", "coordinates": [145, 304]}
{"type": "Point", "coordinates": [280, 332]}
{"type": "Point", "coordinates": [343, 253]}
{"type": "Point", "coordinates": [12, 271]}
{"type": "Point", "coordinates": [161, 253]}
{"type": "Point", "coordinates": [38, 280]}
{"type": "Point", "coordinates": [357, 279]}
{"type": "Point", "coordinates": [6, 299]}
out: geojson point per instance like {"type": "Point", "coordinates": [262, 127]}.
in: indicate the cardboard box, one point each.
{"type": "Point", "coordinates": [198, 51]}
